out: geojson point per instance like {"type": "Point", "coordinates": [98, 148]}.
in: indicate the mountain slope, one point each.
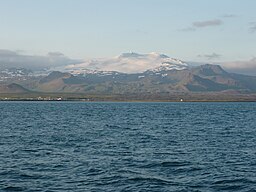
{"type": "Point", "coordinates": [12, 88]}
{"type": "Point", "coordinates": [205, 78]}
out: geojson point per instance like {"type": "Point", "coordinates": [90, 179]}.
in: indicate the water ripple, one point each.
{"type": "Point", "coordinates": [73, 146]}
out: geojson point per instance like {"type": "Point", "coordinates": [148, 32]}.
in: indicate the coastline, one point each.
{"type": "Point", "coordinates": [176, 97]}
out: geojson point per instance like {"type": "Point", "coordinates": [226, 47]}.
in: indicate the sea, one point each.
{"type": "Point", "coordinates": [127, 146]}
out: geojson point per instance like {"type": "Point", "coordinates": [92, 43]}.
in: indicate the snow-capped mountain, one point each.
{"type": "Point", "coordinates": [125, 63]}
{"type": "Point", "coordinates": [15, 73]}
{"type": "Point", "coordinates": [174, 64]}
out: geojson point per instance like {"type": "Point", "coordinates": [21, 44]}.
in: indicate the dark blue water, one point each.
{"type": "Point", "coordinates": [47, 146]}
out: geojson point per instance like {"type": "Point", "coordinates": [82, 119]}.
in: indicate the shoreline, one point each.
{"type": "Point", "coordinates": [128, 101]}
{"type": "Point", "coordinates": [154, 97]}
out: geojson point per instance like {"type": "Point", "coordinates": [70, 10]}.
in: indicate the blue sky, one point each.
{"type": "Point", "coordinates": [194, 30]}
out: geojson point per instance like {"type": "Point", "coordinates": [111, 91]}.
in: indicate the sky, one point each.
{"type": "Point", "coordinates": [191, 30]}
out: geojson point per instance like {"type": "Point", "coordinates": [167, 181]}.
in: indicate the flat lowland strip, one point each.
{"type": "Point", "coordinates": [175, 97]}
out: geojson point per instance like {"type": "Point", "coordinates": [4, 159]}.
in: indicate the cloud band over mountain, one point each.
{"type": "Point", "coordinates": [9, 59]}
{"type": "Point", "coordinates": [245, 67]}
{"type": "Point", "coordinates": [127, 62]}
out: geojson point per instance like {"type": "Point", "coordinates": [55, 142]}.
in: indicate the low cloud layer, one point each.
{"type": "Point", "coordinates": [9, 59]}
{"type": "Point", "coordinates": [244, 67]}
{"type": "Point", "coordinates": [208, 23]}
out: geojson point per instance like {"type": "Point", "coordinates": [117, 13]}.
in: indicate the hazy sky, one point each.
{"type": "Point", "coordinates": [195, 30]}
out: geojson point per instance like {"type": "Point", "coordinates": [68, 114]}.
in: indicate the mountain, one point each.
{"type": "Point", "coordinates": [125, 63]}
{"type": "Point", "coordinates": [157, 74]}
{"type": "Point", "coordinates": [14, 73]}
{"type": "Point", "coordinates": [163, 79]}
{"type": "Point", "coordinates": [12, 88]}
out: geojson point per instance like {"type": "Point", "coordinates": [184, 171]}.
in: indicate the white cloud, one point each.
{"type": "Point", "coordinates": [252, 27]}
{"type": "Point", "coordinates": [229, 16]}
{"type": "Point", "coordinates": [202, 24]}
{"type": "Point", "coordinates": [188, 29]}
{"type": "Point", "coordinates": [211, 56]}
{"type": "Point", "coordinates": [208, 23]}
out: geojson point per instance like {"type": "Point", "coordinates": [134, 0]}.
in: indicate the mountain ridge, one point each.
{"type": "Point", "coordinates": [124, 63]}
{"type": "Point", "coordinates": [167, 76]}
{"type": "Point", "coordinates": [205, 78]}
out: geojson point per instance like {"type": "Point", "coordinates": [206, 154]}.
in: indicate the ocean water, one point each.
{"type": "Point", "coordinates": [79, 146]}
